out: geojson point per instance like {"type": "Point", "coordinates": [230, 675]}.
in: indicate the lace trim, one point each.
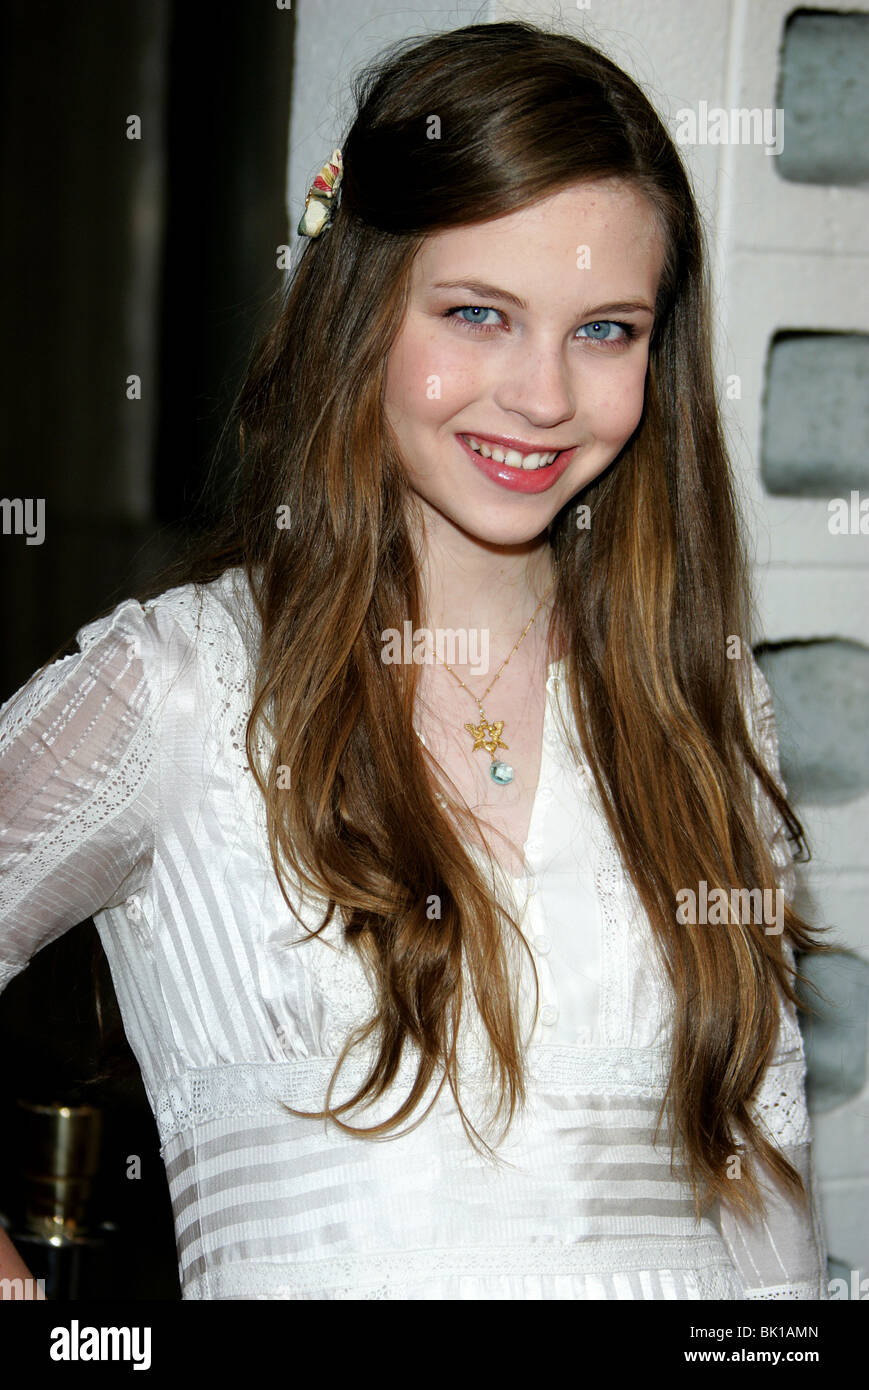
{"type": "Point", "coordinates": [779, 1104]}
{"type": "Point", "coordinates": [790, 1292]}
{"type": "Point", "coordinates": [249, 1088]}
{"type": "Point", "coordinates": [609, 883]}
{"type": "Point", "coordinates": [8, 972]}
{"type": "Point", "coordinates": [221, 626]}
{"type": "Point", "coordinates": [384, 1275]}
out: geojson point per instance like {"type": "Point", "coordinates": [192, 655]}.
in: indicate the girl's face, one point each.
{"type": "Point", "coordinates": [531, 329]}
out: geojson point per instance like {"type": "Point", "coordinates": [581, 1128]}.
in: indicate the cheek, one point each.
{"type": "Point", "coordinates": [618, 405]}
{"type": "Point", "coordinates": [426, 374]}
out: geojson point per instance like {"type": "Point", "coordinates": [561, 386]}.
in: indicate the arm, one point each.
{"type": "Point", "coordinates": [78, 796]}
{"type": "Point", "coordinates": [782, 1255]}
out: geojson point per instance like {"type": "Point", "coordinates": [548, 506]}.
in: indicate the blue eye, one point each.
{"type": "Point", "coordinates": [601, 329]}
{"type": "Point", "coordinates": [475, 309]}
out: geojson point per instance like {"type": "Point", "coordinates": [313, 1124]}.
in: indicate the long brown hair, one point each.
{"type": "Point", "coordinates": [646, 598]}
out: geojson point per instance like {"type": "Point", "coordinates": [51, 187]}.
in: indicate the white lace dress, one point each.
{"type": "Point", "coordinates": [126, 796]}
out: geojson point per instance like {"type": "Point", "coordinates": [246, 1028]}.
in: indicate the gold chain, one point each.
{"type": "Point", "coordinates": [487, 735]}
{"type": "Point", "coordinates": [504, 663]}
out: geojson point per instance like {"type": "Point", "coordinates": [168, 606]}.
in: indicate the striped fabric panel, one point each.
{"type": "Point", "coordinates": [579, 1190]}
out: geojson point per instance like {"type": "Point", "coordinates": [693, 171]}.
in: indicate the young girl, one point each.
{"type": "Point", "coordinates": [388, 810]}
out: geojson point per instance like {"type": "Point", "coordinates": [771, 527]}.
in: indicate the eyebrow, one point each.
{"type": "Point", "coordinates": [485, 291]}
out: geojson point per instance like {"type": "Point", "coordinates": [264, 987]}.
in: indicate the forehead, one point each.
{"type": "Point", "coordinates": [613, 222]}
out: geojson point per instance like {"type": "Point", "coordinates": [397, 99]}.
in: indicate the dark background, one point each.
{"type": "Point", "coordinates": [154, 257]}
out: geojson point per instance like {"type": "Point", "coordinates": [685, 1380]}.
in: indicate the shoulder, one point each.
{"type": "Point", "coordinates": [190, 632]}
{"type": "Point", "coordinates": [223, 605]}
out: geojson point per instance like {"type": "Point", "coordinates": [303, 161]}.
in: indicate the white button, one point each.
{"type": "Point", "coordinates": [542, 945]}
{"type": "Point", "coordinates": [548, 1014]}
{"type": "Point", "coordinates": [136, 919]}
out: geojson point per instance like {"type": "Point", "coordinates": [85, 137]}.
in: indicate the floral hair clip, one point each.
{"type": "Point", "coordinates": [319, 204]}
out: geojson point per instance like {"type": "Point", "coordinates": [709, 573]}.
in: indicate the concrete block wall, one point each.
{"type": "Point", "coordinates": [789, 256]}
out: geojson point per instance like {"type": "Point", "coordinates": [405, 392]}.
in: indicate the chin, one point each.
{"type": "Point", "coordinates": [504, 532]}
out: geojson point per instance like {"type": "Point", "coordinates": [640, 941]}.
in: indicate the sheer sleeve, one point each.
{"type": "Point", "coordinates": [78, 785]}
{"type": "Point", "coordinates": [781, 1255]}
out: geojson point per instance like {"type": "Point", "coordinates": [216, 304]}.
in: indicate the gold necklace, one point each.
{"type": "Point", "coordinates": [484, 734]}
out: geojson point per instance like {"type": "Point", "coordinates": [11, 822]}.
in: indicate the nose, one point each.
{"type": "Point", "coordinates": [535, 382]}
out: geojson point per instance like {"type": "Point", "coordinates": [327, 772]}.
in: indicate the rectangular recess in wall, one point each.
{"type": "Point", "coordinates": [815, 414]}
{"type": "Point", "coordinates": [820, 689]}
{"type": "Point", "coordinates": [823, 90]}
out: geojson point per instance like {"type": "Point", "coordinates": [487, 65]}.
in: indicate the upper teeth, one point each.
{"type": "Point", "coordinates": [510, 456]}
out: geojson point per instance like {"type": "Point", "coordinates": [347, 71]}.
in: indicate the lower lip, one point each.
{"type": "Point", "coordinates": [520, 479]}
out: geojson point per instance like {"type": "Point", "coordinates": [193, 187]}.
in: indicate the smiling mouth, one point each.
{"type": "Point", "coordinates": [512, 457]}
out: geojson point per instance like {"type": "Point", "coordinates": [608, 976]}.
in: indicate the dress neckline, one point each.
{"type": "Point", "coordinates": [523, 880]}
